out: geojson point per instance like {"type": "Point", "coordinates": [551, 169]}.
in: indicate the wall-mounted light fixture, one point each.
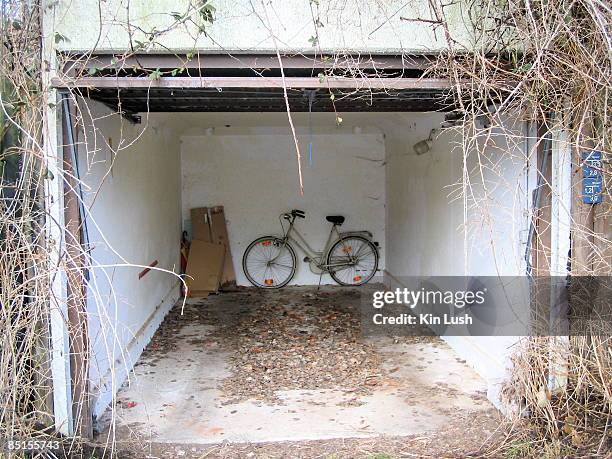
{"type": "Point", "coordinates": [422, 147]}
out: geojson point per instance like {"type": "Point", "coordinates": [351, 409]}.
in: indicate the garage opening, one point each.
{"type": "Point", "coordinates": [250, 365]}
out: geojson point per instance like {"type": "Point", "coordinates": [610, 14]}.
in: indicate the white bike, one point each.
{"type": "Point", "coordinates": [350, 258]}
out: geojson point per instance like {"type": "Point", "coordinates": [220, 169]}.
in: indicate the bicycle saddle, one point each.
{"type": "Point", "coordinates": [335, 219]}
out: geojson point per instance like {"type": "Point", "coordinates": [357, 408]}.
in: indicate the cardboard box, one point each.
{"type": "Point", "coordinates": [200, 227]}
{"type": "Point", "coordinates": [219, 235]}
{"type": "Point", "coordinates": [204, 266]}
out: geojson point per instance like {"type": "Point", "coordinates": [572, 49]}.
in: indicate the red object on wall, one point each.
{"type": "Point", "coordinates": [144, 272]}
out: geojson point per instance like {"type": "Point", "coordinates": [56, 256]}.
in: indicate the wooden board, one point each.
{"type": "Point", "coordinates": [204, 266]}
{"type": "Point", "coordinates": [219, 235]}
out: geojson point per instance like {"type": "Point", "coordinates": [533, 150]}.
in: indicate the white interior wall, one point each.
{"type": "Point", "coordinates": [134, 219]}
{"type": "Point", "coordinates": [426, 205]}
{"type": "Point", "coordinates": [254, 176]}
{"type": "Point", "coordinates": [430, 234]}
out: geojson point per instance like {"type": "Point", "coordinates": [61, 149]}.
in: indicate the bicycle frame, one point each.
{"type": "Point", "coordinates": [318, 257]}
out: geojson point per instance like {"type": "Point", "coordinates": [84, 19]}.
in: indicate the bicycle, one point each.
{"type": "Point", "coordinates": [351, 258]}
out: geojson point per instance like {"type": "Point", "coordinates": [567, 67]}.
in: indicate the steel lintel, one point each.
{"type": "Point", "coordinates": [253, 82]}
{"type": "Point", "coordinates": [379, 62]}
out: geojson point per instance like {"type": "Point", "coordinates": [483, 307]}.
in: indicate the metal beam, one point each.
{"type": "Point", "coordinates": [253, 82]}
{"type": "Point", "coordinates": [85, 63]}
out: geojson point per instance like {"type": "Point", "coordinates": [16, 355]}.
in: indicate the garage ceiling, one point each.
{"type": "Point", "coordinates": [267, 100]}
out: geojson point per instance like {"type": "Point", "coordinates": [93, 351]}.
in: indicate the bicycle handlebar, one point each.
{"type": "Point", "coordinates": [294, 214]}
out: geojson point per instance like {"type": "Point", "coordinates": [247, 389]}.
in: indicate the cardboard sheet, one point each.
{"type": "Point", "coordinates": [205, 265]}
{"type": "Point", "coordinates": [200, 227]}
{"type": "Point", "coordinates": [219, 235]}
{"type": "Point", "coordinates": [199, 293]}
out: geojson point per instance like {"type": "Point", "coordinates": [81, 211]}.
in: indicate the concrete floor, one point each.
{"type": "Point", "coordinates": [175, 396]}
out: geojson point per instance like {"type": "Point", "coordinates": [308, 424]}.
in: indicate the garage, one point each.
{"type": "Point", "coordinates": [155, 157]}
{"type": "Point", "coordinates": [374, 159]}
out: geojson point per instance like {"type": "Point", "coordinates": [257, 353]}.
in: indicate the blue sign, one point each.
{"type": "Point", "coordinates": [592, 178]}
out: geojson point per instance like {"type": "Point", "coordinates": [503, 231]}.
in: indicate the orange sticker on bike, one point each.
{"type": "Point", "coordinates": [269, 282]}
{"type": "Point", "coordinates": [347, 249]}
{"type": "Point", "coordinates": [356, 278]}
{"type": "Point", "coordinates": [266, 243]}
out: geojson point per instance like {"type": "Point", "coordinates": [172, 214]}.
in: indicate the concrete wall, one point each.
{"type": "Point", "coordinates": [363, 26]}
{"type": "Point", "coordinates": [430, 234]}
{"type": "Point", "coordinates": [255, 177]}
{"type": "Point", "coordinates": [426, 205]}
{"type": "Point", "coordinates": [134, 219]}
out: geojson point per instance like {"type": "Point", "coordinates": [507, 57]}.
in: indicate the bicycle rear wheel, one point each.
{"type": "Point", "coordinates": [269, 262]}
{"type": "Point", "coordinates": [352, 260]}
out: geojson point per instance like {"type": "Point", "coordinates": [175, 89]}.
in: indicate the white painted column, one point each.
{"type": "Point", "coordinates": [561, 203]}
{"type": "Point", "coordinates": [560, 246]}
{"type": "Point", "coordinates": [54, 203]}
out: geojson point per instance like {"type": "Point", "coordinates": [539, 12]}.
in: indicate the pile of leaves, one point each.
{"type": "Point", "coordinates": [299, 341]}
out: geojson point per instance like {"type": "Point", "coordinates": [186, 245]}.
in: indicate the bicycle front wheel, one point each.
{"type": "Point", "coordinates": [352, 260]}
{"type": "Point", "coordinates": [269, 262]}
